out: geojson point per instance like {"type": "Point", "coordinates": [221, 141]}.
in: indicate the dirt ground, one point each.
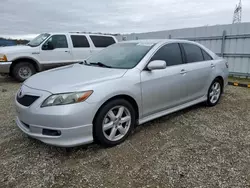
{"type": "Point", "coordinates": [196, 147]}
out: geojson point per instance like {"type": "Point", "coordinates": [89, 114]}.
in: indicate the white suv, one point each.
{"type": "Point", "coordinates": [50, 50]}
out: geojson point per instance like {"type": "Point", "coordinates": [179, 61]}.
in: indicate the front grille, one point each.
{"type": "Point", "coordinates": [27, 100]}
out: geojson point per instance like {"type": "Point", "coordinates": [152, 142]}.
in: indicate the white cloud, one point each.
{"type": "Point", "coordinates": [22, 17]}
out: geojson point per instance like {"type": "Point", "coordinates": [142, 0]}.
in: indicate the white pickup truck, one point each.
{"type": "Point", "coordinates": [50, 50]}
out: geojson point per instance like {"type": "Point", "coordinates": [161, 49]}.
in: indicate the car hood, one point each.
{"type": "Point", "coordinates": [72, 78]}
{"type": "Point", "coordinates": [13, 49]}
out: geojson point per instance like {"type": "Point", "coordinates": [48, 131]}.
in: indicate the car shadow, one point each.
{"type": "Point", "coordinates": [7, 79]}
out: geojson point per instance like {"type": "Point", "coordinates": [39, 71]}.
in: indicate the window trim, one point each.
{"type": "Point", "coordinates": [149, 60]}
{"type": "Point", "coordinates": [51, 37]}
{"type": "Point", "coordinates": [81, 36]}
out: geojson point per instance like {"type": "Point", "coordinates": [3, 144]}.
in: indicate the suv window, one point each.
{"type": "Point", "coordinates": [102, 41]}
{"type": "Point", "coordinates": [206, 56]}
{"type": "Point", "coordinates": [56, 41]}
{"type": "Point", "coordinates": [193, 53]}
{"type": "Point", "coordinates": [171, 53]}
{"type": "Point", "coordinates": [80, 41]}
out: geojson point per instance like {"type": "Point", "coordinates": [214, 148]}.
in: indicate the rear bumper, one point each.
{"type": "Point", "coordinates": [5, 67]}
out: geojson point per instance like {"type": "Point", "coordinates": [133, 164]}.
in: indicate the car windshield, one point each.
{"type": "Point", "coordinates": [38, 40]}
{"type": "Point", "coordinates": [121, 55]}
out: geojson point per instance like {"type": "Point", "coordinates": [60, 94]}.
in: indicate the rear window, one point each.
{"type": "Point", "coordinates": [206, 56]}
{"type": "Point", "coordinates": [102, 41]}
{"type": "Point", "coordinates": [193, 53]}
{"type": "Point", "coordinates": [80, 41]}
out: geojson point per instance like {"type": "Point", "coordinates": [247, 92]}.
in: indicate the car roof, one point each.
{"type": "Point", "coordinates": [158, 41]}
{"type": "Point", "coordinates": [79, 33]}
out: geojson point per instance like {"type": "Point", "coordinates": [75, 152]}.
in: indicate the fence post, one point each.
{"type": "Point", "coordinates": [223, 43]}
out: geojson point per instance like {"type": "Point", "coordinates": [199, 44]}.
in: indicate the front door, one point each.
{"type": "Point", "coordinates": [166, 88]}
{"type": "Point", "coordinates": [55, 52]}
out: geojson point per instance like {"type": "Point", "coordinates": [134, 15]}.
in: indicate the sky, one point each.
{"type": "Point", "coordinates": [27, 18]}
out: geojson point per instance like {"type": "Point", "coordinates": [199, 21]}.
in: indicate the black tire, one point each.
{"type": "Point", "coordinates": [98, 134]}
{"type": "Point", "coordinates": [18, 66]}
{"type": "Point", "coordinates": [209, 103]}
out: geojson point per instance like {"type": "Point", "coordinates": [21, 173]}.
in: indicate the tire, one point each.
{"type": "Point", "coordinates": [111, 129]}
{"type": "Point", "coordinates": [214, 93]}
{"type": "Point", "coordinates": [18, 71]}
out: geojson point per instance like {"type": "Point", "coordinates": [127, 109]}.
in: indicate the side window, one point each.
{"type": "Point", "coordinates": [55, 41]}
{"type": "Point", "coordinates": [171, 53]}
{"type": "Point", "coordinates": [102, 41]}
{"type": "Point", "coordinates": [193, 53]}
{"type": "Point", "coordinates": [206, 56]}
{"type": "Point", "coordinates": [80, 41]}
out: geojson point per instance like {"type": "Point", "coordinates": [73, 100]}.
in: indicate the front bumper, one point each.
{"type": "Point", "coordinates": [69, 137]}
{"type": "Point", "coordinates": [74, 121]}
{"type": "Point", "coordinates": [5, 67]}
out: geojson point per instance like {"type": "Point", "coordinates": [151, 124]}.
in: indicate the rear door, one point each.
{"type": "Point", "coordinates": [101, 42]}
{"type": "Point", "coordinates": [80, 47]}
{"type": "Point", "coordinates": [59, 55]}
{"type": "Point", "coordinates": [199, 66]}
{"type": "Point", "coordinates": [166, 88]}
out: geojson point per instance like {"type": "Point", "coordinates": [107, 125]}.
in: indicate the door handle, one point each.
{"type": "Point", "coordinates": [66, 51]}
{"type": "Point", "coordinates": [212, 65]}
{"type": "Point", "coordinates": [183, 71]}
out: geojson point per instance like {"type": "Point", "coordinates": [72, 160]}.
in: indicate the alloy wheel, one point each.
{"type": "Point", "coordinates": [214, 93]}
{"type": "Point", "coordinates": [116, 123]}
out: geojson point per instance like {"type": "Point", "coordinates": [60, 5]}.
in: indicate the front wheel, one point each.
{"type": "Point", "coordinates": [114, 122]}
{"type": "Point", "coordinates": [214, 93]}
{"type": "Point", "coordinates": [23, 71]}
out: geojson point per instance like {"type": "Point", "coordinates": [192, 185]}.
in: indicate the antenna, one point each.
{"type": "Point", "coordinates": [237, 13]}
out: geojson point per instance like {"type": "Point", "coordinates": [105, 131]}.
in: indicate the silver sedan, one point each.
{"type": "Point", "coordinates": [103, 98]}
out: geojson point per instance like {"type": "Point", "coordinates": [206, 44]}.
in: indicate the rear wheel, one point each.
{"type": "Point", "coordinates": [114, 122]}
{"type": "Point", "coordinates": [23, 70]}
{"type": "Point", "coordinates": [214, 93]}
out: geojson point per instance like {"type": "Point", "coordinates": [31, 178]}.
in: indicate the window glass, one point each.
{"type": "Point", "coordinates": [193, 53]}
{"type": "Point", "coordinates": [121, 55]}
{"type": "Point", "coordinates": [58, 41]}
{"type": "Point", "coordinates": [102, 41]}
{"type": "Point", "coordinates": [170, 53]}
{"type": "Point", "coordinates": [38, 40]}
{"type": "Point", "coordinates": [206, 56]}
{"type": "Point", "coordinates": [80, 41]}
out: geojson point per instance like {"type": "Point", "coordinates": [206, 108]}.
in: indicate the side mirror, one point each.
{"type": "Point", "coordinates": [48, 46]}
{"type": "Point", "coordinates": [157, 64]}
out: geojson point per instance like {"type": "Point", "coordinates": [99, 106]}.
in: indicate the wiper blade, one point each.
{"type": "Point", "coordinates": [100, 65]}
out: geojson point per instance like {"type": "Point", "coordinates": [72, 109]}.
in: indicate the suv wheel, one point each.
{"type": "Point", "coordinates": [23, 70]}
{"type": "Point", "coordinates": [214, 93]}
{"type": "Point", "coordinates": [114, 122]}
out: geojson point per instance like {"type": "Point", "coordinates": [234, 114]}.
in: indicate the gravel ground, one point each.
{"type": "Point", "coordinates": [196, 147]}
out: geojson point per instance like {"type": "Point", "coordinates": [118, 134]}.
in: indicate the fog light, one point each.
{"type": "Point", "coordinates": [50, 132]}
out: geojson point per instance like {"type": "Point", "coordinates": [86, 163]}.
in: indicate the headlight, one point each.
{"type": "Point", "coordinates": [3, 58]}
{"type": "Point", "coordinates": [66, 98]}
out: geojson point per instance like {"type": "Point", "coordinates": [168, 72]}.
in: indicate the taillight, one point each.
{"type": "Point", "coordinates": [227, 64]}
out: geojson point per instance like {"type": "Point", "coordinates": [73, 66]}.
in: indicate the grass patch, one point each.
{"type": "Point", "coordinates": [240, 80]}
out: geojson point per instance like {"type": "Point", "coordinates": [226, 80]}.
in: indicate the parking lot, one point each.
{"type": "Point", "coordinates": [196, 147]}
